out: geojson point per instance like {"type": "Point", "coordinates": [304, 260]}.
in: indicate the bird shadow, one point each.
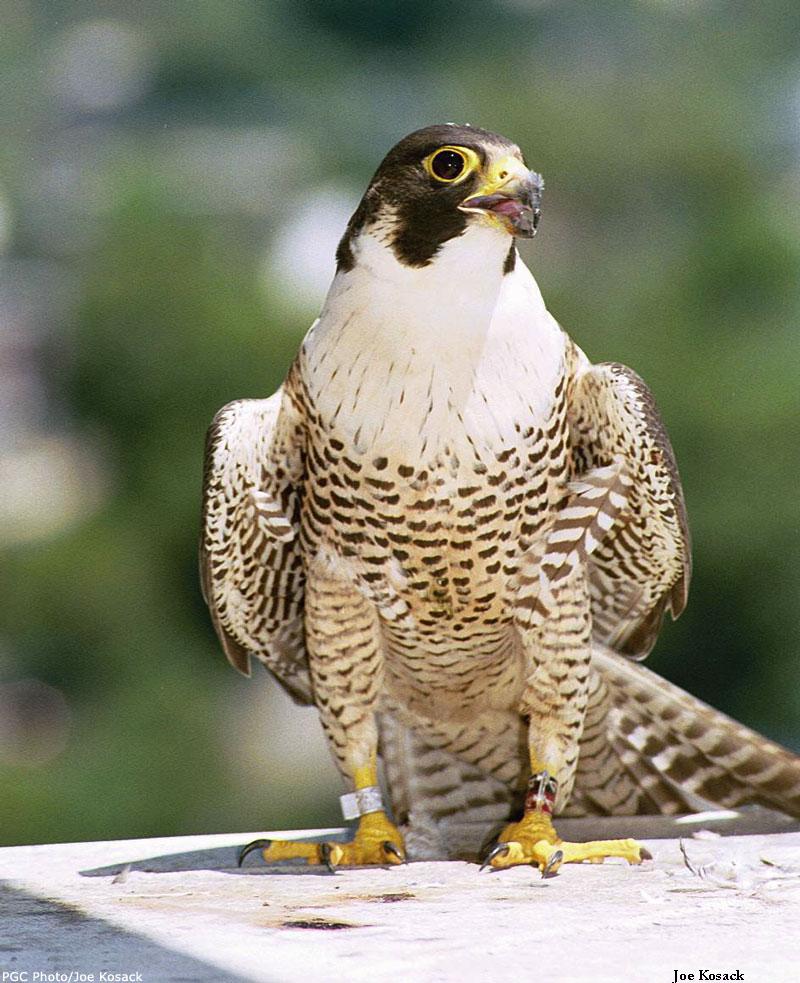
{"type": "Point", "coordinates": [746, 821]}
{"type": "Point", "coordinates": [224, 859]}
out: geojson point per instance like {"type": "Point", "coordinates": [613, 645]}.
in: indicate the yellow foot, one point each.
{"type": "Point", "coordinates": [533, 840]}
{"type": "Point", "coordinates": [377, 841]}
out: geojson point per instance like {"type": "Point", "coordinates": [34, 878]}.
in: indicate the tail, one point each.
{"type": "Point", "coordinates": [649, 747]}
{"type": "Point", "coordinates": [448, 807]}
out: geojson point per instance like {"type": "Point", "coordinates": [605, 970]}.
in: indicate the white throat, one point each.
{"type": "Point", "coordinates": [451, 300]}
{"type": "Point", "coordinates": [400, 350]}
{"type": "Point", "coordinates": [464, 277]}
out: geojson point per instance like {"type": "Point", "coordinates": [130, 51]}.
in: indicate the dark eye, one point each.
{"type": "Point", "coordinates": [447, 165]}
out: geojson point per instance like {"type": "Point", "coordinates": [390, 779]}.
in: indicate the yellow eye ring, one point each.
{"type": "Point", "coordinates": [451, 165]}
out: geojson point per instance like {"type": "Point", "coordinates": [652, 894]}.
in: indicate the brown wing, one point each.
{"type": "Point", "coordinates": [643, 565]}
{"type": "Point", "coordinates": [251, 568]}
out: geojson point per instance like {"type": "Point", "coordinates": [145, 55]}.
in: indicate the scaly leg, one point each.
{"type": "Point", "coordinates": [554, 701]}
{"type": "Point", "coordinates": [345, 657]}
{"type": "Point", "coordinates": [377, 839]}
{"type": "Point", "coordinates": [533, 840]}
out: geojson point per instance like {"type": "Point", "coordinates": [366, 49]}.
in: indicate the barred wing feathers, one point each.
{"type": "Point", "coordinates": [250, 562]}
{"type": "Point", "coordinates": [642, 567]}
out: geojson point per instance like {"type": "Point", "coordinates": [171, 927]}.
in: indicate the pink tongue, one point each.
{"type": "Point", "coordinates": [507, 206]}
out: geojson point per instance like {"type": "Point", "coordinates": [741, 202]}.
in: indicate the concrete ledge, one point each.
{"type": "Point", "coordinates": [179, 909]}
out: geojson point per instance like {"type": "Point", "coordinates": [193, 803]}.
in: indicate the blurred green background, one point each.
{"type": "Point", "coordinates": [173, 181]}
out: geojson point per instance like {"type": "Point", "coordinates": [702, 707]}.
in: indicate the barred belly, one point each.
{"type": "Point", "coordinates": [435, 546]}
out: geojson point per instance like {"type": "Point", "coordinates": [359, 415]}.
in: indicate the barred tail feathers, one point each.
{"type": "Point", "coordinates": [681, 753]}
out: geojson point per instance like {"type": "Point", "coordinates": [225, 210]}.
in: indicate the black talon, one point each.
{"type": "Point", "coordinates": [325, 856]}
{"type": "Point", "coordinates": [499, 849]}
{"type": "Point", "coordinates": [389, 847]}
{"type": "Point", "coordinates": [255, 845]}
{"type": "Point", "coordinates": [550, 869]}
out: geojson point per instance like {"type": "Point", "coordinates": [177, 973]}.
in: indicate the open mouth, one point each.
{"type": "Point", "coordinates": [519, 213]}
{"type": "Point", "coordinates": [514, 209]}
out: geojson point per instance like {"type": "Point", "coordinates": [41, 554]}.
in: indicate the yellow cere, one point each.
{"type": "Point", "coordinates": [502, 172]}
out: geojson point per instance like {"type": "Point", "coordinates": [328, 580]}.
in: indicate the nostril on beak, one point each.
{"type": "Point", "coordinates": [503, 175]}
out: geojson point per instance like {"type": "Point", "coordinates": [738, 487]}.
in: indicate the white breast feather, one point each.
{"type": "Point", "coordinates": [410, 361]}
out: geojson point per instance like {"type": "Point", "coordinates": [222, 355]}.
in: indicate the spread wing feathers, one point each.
{"type": "Point", "coordinates": [650, 747]}
{"type": "Point", "coordinates": [250, 564]}
{"type": "Point", "coordinates": [640, 560]}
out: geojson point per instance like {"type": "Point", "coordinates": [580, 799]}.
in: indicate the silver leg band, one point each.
{"type": "Point", "coordinates": [362, 801]}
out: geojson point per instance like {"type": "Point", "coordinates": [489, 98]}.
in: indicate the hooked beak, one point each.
{"type": "Point", "coordinates": [511, 197]}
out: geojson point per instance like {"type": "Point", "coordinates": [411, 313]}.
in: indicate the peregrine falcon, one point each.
{"type": "Point", "coordinates": [453, 533]}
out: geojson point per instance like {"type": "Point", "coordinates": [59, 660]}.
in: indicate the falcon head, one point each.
{"type": "Point", "coordinates": [437, 183]}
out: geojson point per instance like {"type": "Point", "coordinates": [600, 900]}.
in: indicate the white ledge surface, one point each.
{"type": "Point", "coordinates": [178, 909]}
